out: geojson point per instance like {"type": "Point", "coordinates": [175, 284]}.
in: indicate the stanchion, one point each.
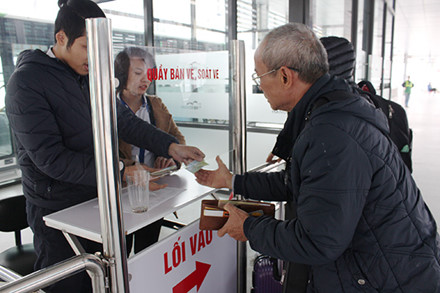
{"type": "Point", "coordinates": [238, 125]}
{"type": "Point", "coordinates": [103, 101]}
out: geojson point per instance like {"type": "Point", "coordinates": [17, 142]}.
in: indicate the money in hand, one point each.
{"type": "Point", "coordinates": [195, 166]}
{"type": "Point", "coordinates": [164, 172]}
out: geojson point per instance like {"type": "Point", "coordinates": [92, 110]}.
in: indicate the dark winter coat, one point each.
{"type": "Point", "coordinates": [361, 221]}
{"type": "Point", "coordinates": [48, 106]}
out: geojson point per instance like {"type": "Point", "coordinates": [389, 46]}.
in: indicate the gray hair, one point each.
{"type": "Point", "coordinates": [295, 45]}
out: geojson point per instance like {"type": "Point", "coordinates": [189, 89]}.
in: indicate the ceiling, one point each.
{"type": "Point", "coordinates": [416, 28]}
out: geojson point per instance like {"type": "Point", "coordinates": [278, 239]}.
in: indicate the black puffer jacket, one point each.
{"type": "Point", "coordinates": [361, 221]}
{"type": "Point", "coordinates": [48, 106]}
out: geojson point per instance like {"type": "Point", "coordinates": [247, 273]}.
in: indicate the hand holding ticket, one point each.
{"type": "Point", "coordinates": [195, 166]}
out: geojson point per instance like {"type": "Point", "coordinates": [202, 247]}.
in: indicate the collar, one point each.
{"type": "Point", "coordinates": [299, 112]}
{"type": "Point", "coordinates": [50, 53]}
{"type": "Point", "coordinates": [296, 119]}
{"type": "Point", "coordinates": [144, 102]}
{"type": "Point", "coordinates": [78, 77]}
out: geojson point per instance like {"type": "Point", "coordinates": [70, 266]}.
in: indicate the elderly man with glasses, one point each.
{"type": "Point", "coordinates": [361, 223]}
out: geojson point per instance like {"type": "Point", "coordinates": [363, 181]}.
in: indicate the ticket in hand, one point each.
{"type": "Point", "coordinates": [195, 166]}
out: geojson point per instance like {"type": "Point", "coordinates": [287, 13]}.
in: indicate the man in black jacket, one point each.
{"type": "Point", "coordinates": [361, 222]}
{"type": "Point", "coordinates": [341, 59]}
{"type": "Point", "coordinates": [48, 106]}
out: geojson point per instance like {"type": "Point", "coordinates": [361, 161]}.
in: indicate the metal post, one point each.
{"type": "Point", "coordinates": [149, 23]}
{"type": "Point", "coordinates": [238, 123]}
{"type": "Point", "coordinates": [57, 272]}
{"type": "Point", "coordinates": [103, 101]}
{"type": "Point", "coordinates": [232, 20]}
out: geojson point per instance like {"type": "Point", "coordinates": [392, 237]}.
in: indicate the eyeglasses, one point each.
{"type": "Point", "coordinates": [256, 78]}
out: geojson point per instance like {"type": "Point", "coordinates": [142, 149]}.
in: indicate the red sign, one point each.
{"type": "Point", "coordinates": [194, 279]}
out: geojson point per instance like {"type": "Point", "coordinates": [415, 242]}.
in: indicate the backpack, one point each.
{"type": "Point", "coordinates": [400, 133]}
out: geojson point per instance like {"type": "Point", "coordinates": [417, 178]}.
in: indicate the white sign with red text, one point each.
{"type": "Point", "coordinates": [188, 261]}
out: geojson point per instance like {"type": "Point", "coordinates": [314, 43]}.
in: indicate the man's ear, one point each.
{"type": "Point", "coordinates": [61, 38]}
{"type": "Point", "coordinates": [287, 76]}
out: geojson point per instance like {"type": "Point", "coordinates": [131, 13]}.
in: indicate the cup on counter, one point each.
{"type": "Point", "coordinates": [138, 191]}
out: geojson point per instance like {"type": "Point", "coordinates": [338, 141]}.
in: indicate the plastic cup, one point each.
{"type": "Point", "coordinates": [138, 191]}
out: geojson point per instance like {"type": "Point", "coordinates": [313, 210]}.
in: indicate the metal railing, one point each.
{"type": "Point", "coordinates": [256, 127]}
{"type": "Point", "coordinates": [8, 275]}
{"type": "Point", "coordinates": [48, 276]}
{"type": "Point", "coordinates": [268, 167]}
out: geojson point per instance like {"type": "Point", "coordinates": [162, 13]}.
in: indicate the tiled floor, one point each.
{"type": "Point", "coordinates": [424, 120]}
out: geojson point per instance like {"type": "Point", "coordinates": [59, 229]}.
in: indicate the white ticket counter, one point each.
{"type": "Point", "coordinates": [188, 260]}
{"type": "Point", "coordinates": [83, 219]}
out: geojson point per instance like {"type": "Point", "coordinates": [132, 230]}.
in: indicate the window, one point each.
{"type": "Point", "coordinates": [192, 25]}
{"type": "Point", "coordinates": [375, 66]}
{"type": "Point", "coordinates": [254, 20]}
{"type": "Point", "coordinates": [332, 18]}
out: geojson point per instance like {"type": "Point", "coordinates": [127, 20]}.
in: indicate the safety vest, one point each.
{"type": "Point", "coordinates": [408, 84]}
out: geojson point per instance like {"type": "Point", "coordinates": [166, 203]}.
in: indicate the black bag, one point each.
{"type": "Point", "coordinates": [265, 276]}
{"type": "Point", "coordinates": [400, 133]}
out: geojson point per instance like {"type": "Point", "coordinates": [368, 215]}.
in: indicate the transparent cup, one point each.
{"type": "Point", "coordinates": [138, 191]}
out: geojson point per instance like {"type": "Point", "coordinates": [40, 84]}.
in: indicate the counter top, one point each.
{"type": "Point", "coordinates": [83, 219]}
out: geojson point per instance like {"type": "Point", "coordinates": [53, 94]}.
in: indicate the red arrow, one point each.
{"type": "Point", "coordinates": [195, 278]}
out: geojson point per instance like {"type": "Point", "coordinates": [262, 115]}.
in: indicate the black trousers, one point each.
{"type": "Point", "coordinates": [52, 247]}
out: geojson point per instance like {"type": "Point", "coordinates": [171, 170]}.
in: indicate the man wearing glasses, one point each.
{"type": "Point", "coordinates": [256, 79]}
{"type": "Point", "coordinates": [361, 223]}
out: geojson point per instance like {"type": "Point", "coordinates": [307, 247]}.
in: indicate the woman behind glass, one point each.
{"type": "Point", "coordinates": [131, 68]}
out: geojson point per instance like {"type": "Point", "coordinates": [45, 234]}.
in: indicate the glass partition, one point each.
{"type": "Point", "coordinates": [194, 87]}
{"type": "Point", "coordinates": [193, 37]}
{"type": "Point", "coordinates": [199, 92]}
